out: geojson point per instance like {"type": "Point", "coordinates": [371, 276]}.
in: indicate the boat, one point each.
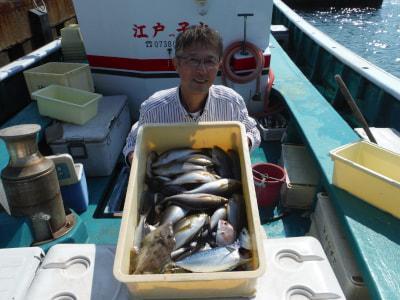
{"type": "Point", "coordinates": [313, 4]}
{"type": "Point", "coordinates": [366, 241]}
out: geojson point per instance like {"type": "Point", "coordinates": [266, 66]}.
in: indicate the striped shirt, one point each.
{"type": "Point", "coordinates": [223, 104]}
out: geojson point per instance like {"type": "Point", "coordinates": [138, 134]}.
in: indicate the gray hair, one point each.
{"type": "Point", "coordinates": [199, 35]}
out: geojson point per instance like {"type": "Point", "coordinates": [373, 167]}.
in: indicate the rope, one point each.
{"type": "Point", "coordinates": [42, 8]}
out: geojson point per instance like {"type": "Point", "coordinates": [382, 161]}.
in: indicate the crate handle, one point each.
{"type": "Point", "coordinates": [77, 150]}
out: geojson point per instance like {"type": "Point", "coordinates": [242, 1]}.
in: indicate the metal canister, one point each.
{"type": "Point", "coordinates": [30, 180]}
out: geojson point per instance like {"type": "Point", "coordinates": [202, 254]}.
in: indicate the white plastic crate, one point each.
{"type": "Point", "coordinates": [75, 75]}
{"type": "Point", "coordinates": [67, 104]}
{"type": "Point", "coordinates": [297, 268]}
{"type": "Point", "coordinates": [326, 227]}
{"type": "Point", "coordinates": [302, 177]}
{"type": "Point", "coordinates": [72, 45]}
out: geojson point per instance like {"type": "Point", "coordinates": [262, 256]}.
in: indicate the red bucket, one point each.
{"type": "Point", "coordinates": [268, 179]}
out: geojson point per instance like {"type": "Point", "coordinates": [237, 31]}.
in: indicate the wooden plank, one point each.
{"type": "Point", "coordinates": [14, 21]}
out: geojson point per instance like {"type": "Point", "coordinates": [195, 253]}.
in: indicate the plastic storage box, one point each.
{"type": "Point", "coordinates": [98, 143]}
{"type": "Point", "coordinates": [72, 46]}
{"type": "Point", "coordinates": [302, 177]}
{"type": "Point", "coordinates": [72, 180]}
{"type": "Point", "coordinates": [67, 104]}
{"type": "Point", "coordinates": [369, 172]}
{"type": "Point", "coordinates": [272, 127]}
{"type": "Point", "coordinates": [77, 271]}
{"type": "Point", "coordinates": [76, 195]}
{"type": "Point", "coordinates": [18, 267]}
{"type": "Point", "coordinates": [298, 269]}
{"type": "Point", "coordinates": [75, 75]}
{"type": "Point", "coordinates": [326, 228]}
{"type": "Point", "coordinates": [227, 135]}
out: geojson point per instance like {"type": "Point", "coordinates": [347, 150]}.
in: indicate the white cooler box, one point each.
{"type": "Point", "coordinates": [326, 228]}
{"type": "Point", "coordinates": [297, 268]}
{"type": "Point", "coordinates": [98, 143]}
{"type": "Point", "coordinates": [77, 271]}
{"type": "Point", "coordinates": [18, 267]}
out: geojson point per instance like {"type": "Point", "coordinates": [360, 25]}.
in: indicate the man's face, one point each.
{"type": "Point", "coordinates": [197, 67]}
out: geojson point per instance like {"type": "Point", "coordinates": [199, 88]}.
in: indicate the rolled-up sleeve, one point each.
{"type": "Point", "coordinates": [131, 138]}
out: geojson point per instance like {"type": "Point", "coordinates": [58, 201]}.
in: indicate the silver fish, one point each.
{"type": "Point", "coordinates": [173, 189]}
{"type": "Point", "coordinates": [187, 228]}
{"type": "Point", "coordinates": [194, 177]}
{"type": "Point", "coordinates": [219, 187]}
{"type": "Point", "coordinates": [174, 154]}
{"type": "Point", "coordinates": [219, 214]}
{"type": "Point", "coordinates": [155, 250]}
{"type": "Point", "coordinates": [222, 162]}
{"type": "Point", "coordinates": [173, 214]}
{"type": "Point", "coordinates": [186, 251]}
{"type": "Point", "coordinates": [139, 233]}
{"type": "Point", "coordinates": [155, 183]}
{"type": "Point", "coordinates": [196, 201]}
{"type": "Point", "coordinates": [236, 212]}
{"type": "Point", "coordinates": [226, 235]}
{"type": "Point", "coordinates": [213, 260]}
{"type": "Point", "coordinates": [150, 159]}
{"type": "Point", "coordinates": [198, 159]}
{"type": "Point", "coordinates": [177, 168]}
{"type": "Point", "coordinates": [244, 239]}
{"type": "Point", "coordinates": [236, 170]}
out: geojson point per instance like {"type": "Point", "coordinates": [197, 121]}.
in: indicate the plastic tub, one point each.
{"type": "Point", "coordinates": [369, 172]}
{"type": "Point", "coordinates": [227, 135]}
{"type": "Point", "coordinates": [75, 75]}
{"type": "Point", "coordinates": [302, 177]}
{"type": "Point", "coordinates": [67, 104]}
{"type": "Point", "coordinates": [267, 189]}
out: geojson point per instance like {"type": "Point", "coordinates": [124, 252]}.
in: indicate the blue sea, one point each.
{"type": "Point", "coordinates": [372, 33]}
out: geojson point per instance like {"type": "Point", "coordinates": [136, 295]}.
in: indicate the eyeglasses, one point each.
{"type": "Point", "coordinates": [209, 62]}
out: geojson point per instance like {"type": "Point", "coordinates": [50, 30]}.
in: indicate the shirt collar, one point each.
{"type": "Point", "coordinates": [206, 106]}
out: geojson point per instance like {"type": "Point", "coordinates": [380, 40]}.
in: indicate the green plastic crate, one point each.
{"type": "Point", "coordinates": [75, 75]}
{"type": "Point", "coordinates": [67, 104]}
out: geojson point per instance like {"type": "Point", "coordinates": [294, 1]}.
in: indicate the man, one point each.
{"type": "Point", "coordinates": [198, 53]}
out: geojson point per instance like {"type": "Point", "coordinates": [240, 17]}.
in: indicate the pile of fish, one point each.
{"type": "Point", "coordinates": [192, 214]}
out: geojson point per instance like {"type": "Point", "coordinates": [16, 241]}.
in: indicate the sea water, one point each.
{"type": "Point", "coordinates": [372, 33]}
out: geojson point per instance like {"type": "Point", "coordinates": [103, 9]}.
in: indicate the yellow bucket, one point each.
{"type": "Point", "coordinates": [369, 172]}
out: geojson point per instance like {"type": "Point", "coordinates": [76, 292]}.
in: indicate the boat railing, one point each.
{"type": "Point", "coordinates": [29, 60]}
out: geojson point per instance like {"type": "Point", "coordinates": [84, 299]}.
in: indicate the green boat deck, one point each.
{"type": "Point", "coordinates": [373, 234]}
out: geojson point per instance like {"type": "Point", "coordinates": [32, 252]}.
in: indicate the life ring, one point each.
{"type": "Point", "coordinates": [230, 51]}
{"type": "Point", "coordinates": [256, 74]}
